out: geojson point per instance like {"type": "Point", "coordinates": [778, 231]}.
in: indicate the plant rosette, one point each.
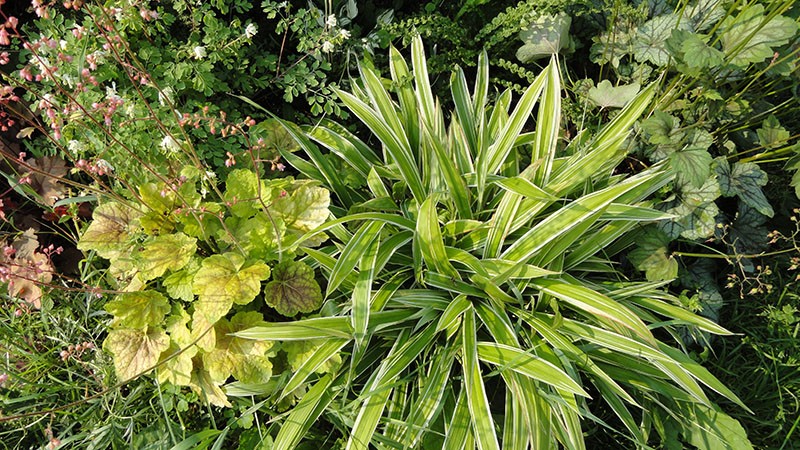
{"type": "Point", "coordinates": [475, 264]}
{"type": "Point", "coordinates": [187, 271]}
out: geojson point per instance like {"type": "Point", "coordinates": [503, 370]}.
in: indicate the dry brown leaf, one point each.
{"type": "Point", "coordinates": [45, 177]}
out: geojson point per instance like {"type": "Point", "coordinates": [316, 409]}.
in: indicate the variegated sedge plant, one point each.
{"type": "Point", "coordinates": [471, 280]}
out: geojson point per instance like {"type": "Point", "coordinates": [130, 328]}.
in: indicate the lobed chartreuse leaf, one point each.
{"type": "Point", "coordinates": [224, 280]}
{"type": "Point", "coordinates": [138, 309]}
{"type": "Point", "coordinates": [113, 224]}
{"type": "Point", "coordinates": [178, 368]}
{"type": "Point", "coordinates": [752, 36]}
{"type": "Point", "coordinates": [303, 207]}
{"type": "Point", "coordinates": [652, 255]}
{"type": "Point", "coordinates": [161, 253]}
{"type": "Point", "coordinates": [135, 351]}
{"type": "Point", "coordinates": [298, 352]}
{"type": "Point", "coordinates": [245, 359]}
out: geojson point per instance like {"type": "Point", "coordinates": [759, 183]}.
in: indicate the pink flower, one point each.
{"type": "Point", "coordinates": [4, 39]}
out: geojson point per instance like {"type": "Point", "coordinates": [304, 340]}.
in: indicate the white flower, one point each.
{"type": "Point", "coordinates": [111, 91]}
{"type": "Point", "coordinates": [74, 146]}
{"type": "Point", "coordinates": [63, 44]}
{"type": "Point", "coordinates": [327, 47]}
{"type": "Point", "coordinates": [165, 96]}
{"type": "Point", "coordinates": [199, 52]}
{"type": "Point", "coordinates": [170, 144]}
{"type": "Point", "coordinates": [104, 165]}
{"type": "Point", "coordinates": [331, 21]}
{"type": "Point", "coordinates": [250, 30]}
{"type": "Point", "coordinates": [344, 34]}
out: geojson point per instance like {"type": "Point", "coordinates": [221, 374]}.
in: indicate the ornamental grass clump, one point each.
{"type": "Point", "coordinates": [471, 280]}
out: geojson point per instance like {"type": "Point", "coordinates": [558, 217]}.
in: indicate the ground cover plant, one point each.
{"type": "Point", "coordinates": [535, 251]}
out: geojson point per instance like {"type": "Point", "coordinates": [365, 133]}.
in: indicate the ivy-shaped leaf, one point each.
{"type": "Point", "coordinates": [695, 209]}
{"type": "Point", "coordinates": [162, 253]}
{"type": "Point", "coordinates": [162, 202]}
{"type": "Point", "coordinates": [109, 234]}
{"type": "Point", "coordinates": [224, 280]}
{"type": "Point", "coordinates": [691, 166]}
{"type": "Point", "coordinates": [304, 207]}
{"type": "Point", "coordinates": [651, 256]}
{"type": "Point", "coordinates": [772, 134]}
{"type": "Point", "coordinates": [545, 36]}
{"type": "Point", "coordinates": [650, 42]}
{"type": "Point", "coordinates": [293, 289]}
{"type": "Point", "coordinates": [607, 96]}
{"type": "Point", "coordinates": [135, 350]}
{"type": "Point", "coordinates": [258, 236]}
{"type": "Point", "coordinates": [662, 130]}
{"type": "Point", "coordinates": [744, 180]}
{"type": "Point", "coordinates": [698, 55]}
{"type": "Point", "coordinates": [748, 37]}
{"type": "Point", "coordinates": [138, 309]}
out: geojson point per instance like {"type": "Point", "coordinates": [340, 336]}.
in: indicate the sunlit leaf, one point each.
{"type": "Point", "coordinates": [161, 253]}
{"type": "Point", "coordinates": [750, 38]}
{"type": "Point", "coordinates": [108, 234]}
{"type": "Point", "coordinates": [224, 280]}
{"type": "Point", "coordinates": [138, 309]}
{"type": "Point", "coordinates": [652, 256]}
{"type": "Point", "coordinates": [605, 95]}
{"type": "Point", "coordinates": [178, 368]}
{"type": "Point", "coordinates": [544, 36]}
{"type": "Point", "coordinates": [135, 350]}
{"type": "Point", "coordinates": [303, 208]}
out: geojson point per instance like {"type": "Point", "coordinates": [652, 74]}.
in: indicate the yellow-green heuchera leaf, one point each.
{"type": "Point", "coordinates": [245, 359]}
{"type": "Point", "coordinates": [293, 289]}
{"type": "Point", "coordinates": [303, 207]}
{"type": "Point", "coordinates": [135, 350]}
{"type": "Point", "coordinates": [178, 369]}
{"type": "Point", "coordinates": [224, 280]}
{"type": "Point", "coordinates": [108, 234]}
{"type": "Point", "coordinates": [161, 253]}
{"type": "Point", "coordinates": [138, 309]}
{"type": "Point", "coordinates": [241, 189]}
{"type": "Point", "coordinates": [298, 352]}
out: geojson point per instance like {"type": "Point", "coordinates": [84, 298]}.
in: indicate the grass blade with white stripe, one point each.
{"type": "Point", "coordinates": [482, 423]}
{"type": "Point", "coordinates": [304, 414]}
{"type": "Point", "coordinates": [351, 254]}
{"type": "Point", "coordinates": [506, 357]}
{"type": "Point", "coordinates": [595, 304]}
{"type": "Point", "coordinates": [323, 353]}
